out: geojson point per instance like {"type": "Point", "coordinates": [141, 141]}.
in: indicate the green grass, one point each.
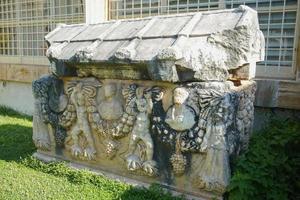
{"type": "Point", "coordinates": [24, 177]}
{"type": "Point", "coordinates": [270, 169]}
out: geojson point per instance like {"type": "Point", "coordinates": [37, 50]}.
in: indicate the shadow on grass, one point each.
{"type": "Point", "coordinates": [15, 142]}
{"type": "Point", "coordinates": [16, 145]}
{"type": "Point", "coordinates": [154, 192]}
{"type": "Point", "coordinates": [5, 111]}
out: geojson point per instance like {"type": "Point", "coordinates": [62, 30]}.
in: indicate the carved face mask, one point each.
{"type": "Point", "coordinates": [180, 95]}
{"type": "Point", "coordinates": [110, 90]}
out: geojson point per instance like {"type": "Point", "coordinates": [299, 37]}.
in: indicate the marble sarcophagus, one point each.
{"type": "Point", "coordinates": [165, 99]}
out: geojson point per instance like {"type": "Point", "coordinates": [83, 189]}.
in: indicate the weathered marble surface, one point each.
{"type": "Point", "coordinates": [142, 131]}
{"type": "Point", "coordinates": [206, 46]}
{"type": "Point", "coordinates": [151, 99]}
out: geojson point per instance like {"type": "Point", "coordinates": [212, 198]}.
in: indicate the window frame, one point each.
{"type": "Point", "coordinates": [50, 18]}
{"type": "Point", "coordinates": [268, 71]}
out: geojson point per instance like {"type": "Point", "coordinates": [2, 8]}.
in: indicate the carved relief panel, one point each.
{"type": "Point", "coordinates": [164, 131]}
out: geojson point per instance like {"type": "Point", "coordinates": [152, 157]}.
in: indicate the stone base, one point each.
{"type": "Point", "coordinates": [43, 156]}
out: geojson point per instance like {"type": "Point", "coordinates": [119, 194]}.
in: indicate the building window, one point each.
{"type": "Point", "coordinates": [278, 19]}
{"type": "Point", "coordinates": [24, 23]}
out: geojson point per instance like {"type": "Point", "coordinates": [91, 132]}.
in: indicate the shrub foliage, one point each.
{"type": "Point", "coordinates": [270, 169]}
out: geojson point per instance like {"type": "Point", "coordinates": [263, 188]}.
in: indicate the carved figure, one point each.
{"type": "Point", "coordinates": [50, 101]}
{"type": "Point", "coordinates": [212, 173]}
{"type": "Point", "coordinates": [141, 133]}
{"type": "Point", "coordinates": [110, 108]}
{"type": "Point", "coordinates": [82, 107]}
{"type": "Point", "coordinates": [115, 122]}
{"type": "Point", "coordinates": [111, 112]}
{"type": "Point", "coordinates": [180, 117]}
{"type": "Point", "coordinates": [41, 137]}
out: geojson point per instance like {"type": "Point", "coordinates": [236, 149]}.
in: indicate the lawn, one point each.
{"type": "Point", "coordinates": [23, 177]}
{"type": "Point", "coordinates": [270, 169]}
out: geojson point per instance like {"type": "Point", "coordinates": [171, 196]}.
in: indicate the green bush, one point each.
{"type": "Point", "coordinates": [270, 169]}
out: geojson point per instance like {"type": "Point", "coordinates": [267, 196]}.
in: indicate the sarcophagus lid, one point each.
{"type": "Point", "coordinates": [207, 46]}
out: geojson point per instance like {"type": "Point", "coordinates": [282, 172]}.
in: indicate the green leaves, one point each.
{"type": "Point", "coordinates": [270, 169]}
